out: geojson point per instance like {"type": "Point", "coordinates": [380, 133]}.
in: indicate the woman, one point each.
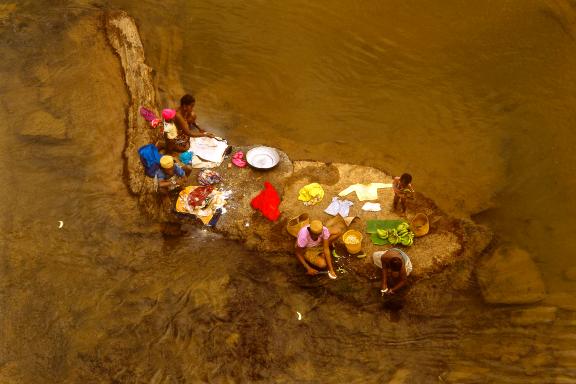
{"type": "Point", "coordinates": [186, 118]}
{"type": "Point", "coordinates": [177, 141]}
{"type": "Point", "coordinates": [312, 248]}
{"type": "Point", "coordinates": [171, 176]}
{"type": "Point", "coordinates": [396, 267]}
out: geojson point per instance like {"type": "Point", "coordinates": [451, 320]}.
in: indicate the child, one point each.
{"type": "Point", "coordinates": [402, 191]}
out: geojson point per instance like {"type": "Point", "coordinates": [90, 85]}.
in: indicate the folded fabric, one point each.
{"type": "Point", "coordinates": [208, 177]}
{"type": "Point", "coordinates": [170, 130]}
{"type": "Point", "coordinates": [238, 159]}
{"type": "Point", "coordinates": [371, 207]}
{"type": "Point", "coordinates": [311, 194]}
{"type": "Point", "coordinates": [208, 148]}
{"type": "Point", "coordinates": [197, 197]}
{"type": "Point", "coordinates": [199, 163]}
{"type": "Point", "coordinates": [337, 206]}
{"type": "Point", "coordinates": [267, 202]}
{"type": "Point", "coordinates": [213, 203]}
{"type": "Point", "coordinates": [365, 191]}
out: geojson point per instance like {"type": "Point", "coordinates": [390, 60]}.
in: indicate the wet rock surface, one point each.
{"type": "Point", "coordinates": [562, 300]}
{"type": "Point", "coordinates": [510, 276]}
{"type": "Point", "coordinates": [536, 315]}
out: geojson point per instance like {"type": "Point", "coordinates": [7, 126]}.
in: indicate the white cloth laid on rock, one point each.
{"type": "Point", "coordinates": [199, 163]}
{"type": "Point", "coordinates": [365, 191]}
{"type": "Point", "coordinates": [372, 207]}
{"type": "Point", "coordinates": [337, 206]}
{"type": "Point", "coordinates": [208, 148]}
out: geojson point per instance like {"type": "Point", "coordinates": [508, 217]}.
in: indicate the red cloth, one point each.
{"type": "Point", "coordinates": [267, 202]}
{"type": "Point", "coordinates": [197, 197]}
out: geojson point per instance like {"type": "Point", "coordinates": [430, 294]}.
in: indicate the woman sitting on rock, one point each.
{"type": "Point", "coordinates": [312, 248]}
{"type": "Point", "coordinates": [177, 141]}
{"type": "Point", "coordinates": [171, 176]}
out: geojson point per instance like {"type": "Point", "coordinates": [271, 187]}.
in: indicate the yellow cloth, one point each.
{"type": "Point", "coordinates": [311, 194]}
{"type": "Point", "coordinates": [204, 214]}
{"type": "Point", "coordinates": [365, 191]}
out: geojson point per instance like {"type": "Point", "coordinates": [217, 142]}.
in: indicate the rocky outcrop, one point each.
{"type": "Point", "coordinates": [533, 316]}
{"type": "Point", "coordinates": [450, 240]}
{"type": "Point", "coordinates": [44, 125]}
{"type": "Point", "coordinates": [124, 38]}
{"type": "Point", "coordinates": [510, 276]}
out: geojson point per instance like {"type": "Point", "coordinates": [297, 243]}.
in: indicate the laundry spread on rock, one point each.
{"type": "Point", "coordinates": [202, 202]}
{"type": "Point", "coordinates": [339, 207]}
{"type": "Point", "coordinates": [311, 194]}
{"type": "Point", "coordinates": [267, 202]}
{"type": "Point", "coordinates": [365, 191]}
{"type": "Point", "coordinates": [186, 146]}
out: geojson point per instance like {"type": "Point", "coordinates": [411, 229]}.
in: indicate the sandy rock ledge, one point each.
{"type": "Point", "coordinates": [450, 240]}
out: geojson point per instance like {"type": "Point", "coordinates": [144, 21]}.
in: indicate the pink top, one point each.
{"type": "Point", "coordinates": [305, 241]}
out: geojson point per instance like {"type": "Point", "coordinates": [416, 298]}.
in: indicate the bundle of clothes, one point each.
{"type": "Point", "coordinates": [203, 201]}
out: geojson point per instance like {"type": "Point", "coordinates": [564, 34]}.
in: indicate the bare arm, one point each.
{"type": "Point", "coordinates": [182, 125]}
{"type": "Point", "coordinates": [402, 282]}
{"type": "Point", "coordinates": [327, 256]}
{"type": "Point", "coordinates": [185, 126]}
{"type": "Point", "coordinates": [202, 131]}
{"type": "Point", "coordinates": [166, 183]}
{"type": "Point", "coordinates": [384, 277]}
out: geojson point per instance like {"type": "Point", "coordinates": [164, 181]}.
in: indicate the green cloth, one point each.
{"type": "Point", "coordinates": [373, 225]}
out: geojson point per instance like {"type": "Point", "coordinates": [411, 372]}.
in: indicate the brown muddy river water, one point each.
{"type": "Point", "coordinates": [475, 99]}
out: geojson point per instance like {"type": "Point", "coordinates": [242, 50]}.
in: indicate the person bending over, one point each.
{"type": "Point", "coordinates": [396, 267]}
{"type": "Point", "coordinates": [313, 248]}
{"type": "Point", "coordinates": [171, 176]}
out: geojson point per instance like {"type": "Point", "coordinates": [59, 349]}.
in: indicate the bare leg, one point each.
{"type": "Point", "coordinates": [403, 206]}
{"type": "Point", "coordinates": [395, 202]}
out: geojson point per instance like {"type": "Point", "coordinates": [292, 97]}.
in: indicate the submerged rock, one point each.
{"type": "Point", "coordinates": [570, 274]}
{"type": "Point", "coordinates": [510, 276]}
{"type": "Point", "coordinates": [465, 373]}
{"type": "Point", "coordinates": [562, 300]}
{"type": "Point", "coordinates": [532, 316]}
{"type": "Point", "coordinates": [42, 124]}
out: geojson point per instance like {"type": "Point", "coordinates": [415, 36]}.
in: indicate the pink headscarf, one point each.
{"type": "Point", "coordinates": [168, 114]}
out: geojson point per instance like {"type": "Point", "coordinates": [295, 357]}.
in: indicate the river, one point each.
{"type": "Point", "coordinates": [474, 99]}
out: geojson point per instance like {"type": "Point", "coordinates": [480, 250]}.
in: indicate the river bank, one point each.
{"type": "Point", "coordinates": [451, 240]}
